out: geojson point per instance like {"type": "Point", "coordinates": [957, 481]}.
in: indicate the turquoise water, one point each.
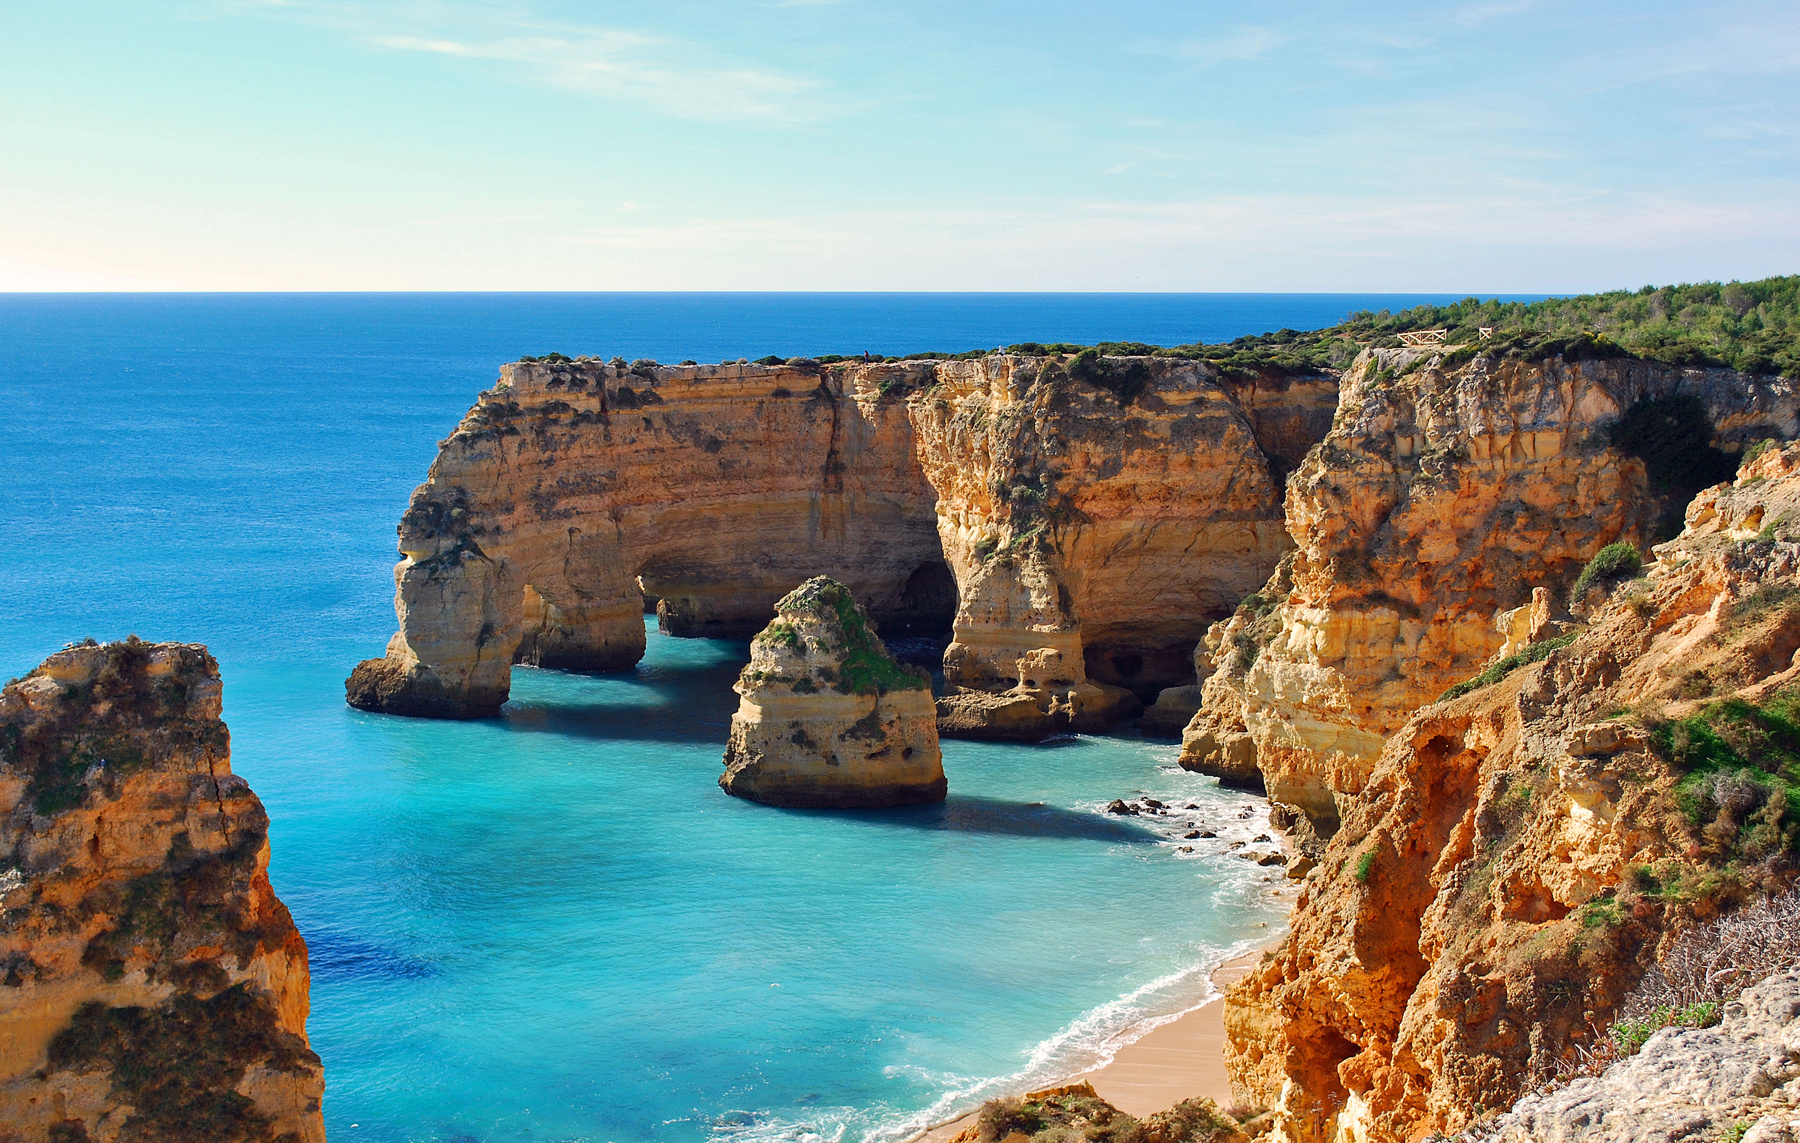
{"type": "Point", "coordinates": [552, 925]}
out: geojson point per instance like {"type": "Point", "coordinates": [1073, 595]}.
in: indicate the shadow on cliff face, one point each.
{"type": "Point", "coordinates": [992, 816]}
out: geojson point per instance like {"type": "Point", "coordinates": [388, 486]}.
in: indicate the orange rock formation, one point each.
{"type": "Point", "coordinates": [152, 986]}
{"type": "Point", "coordinates": [1081, 517]}
{"type": "Point", "coordinates": [1444, 494]}
{"type": "Point", "coordinates": [1507, 865]}
{"type": "Point", "coordinates": [828, 719]}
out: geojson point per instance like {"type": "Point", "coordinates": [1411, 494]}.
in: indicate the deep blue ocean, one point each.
{"type": "Point", "coordinates": [553, 925]}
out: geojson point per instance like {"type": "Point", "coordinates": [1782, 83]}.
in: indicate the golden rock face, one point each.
{"type": "Point", "coordinates": [1507, 864]}
{"type": "Point", "coordinates": [1440, 498]}
{"type": "Point", "coordinates": [1078, 525]}
{"type": "Point", "coordinates": [138, 924]}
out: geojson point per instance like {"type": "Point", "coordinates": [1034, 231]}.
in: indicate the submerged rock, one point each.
{"type": "Point", "coordinates": [152, 986]}
{"type": "Point", "coordinates": [828, 719]}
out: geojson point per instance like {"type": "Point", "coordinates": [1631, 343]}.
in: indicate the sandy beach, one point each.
{"type": "Point", "coordinates": [1182, 1059]}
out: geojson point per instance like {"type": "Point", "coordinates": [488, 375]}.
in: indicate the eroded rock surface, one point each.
{"type": "Point", "coordinates": [152, 986]}
{"type": "Point", "coordinates": [1685, 1083]}
{"type": "Point", "coordinates": [1079, 521]}
{"type": "Point", "coordinates": [827, 718]}
{"type": "Point", "coordinates": [1445, 492]}
{"type": "Point", "coordinates": [1511, 862]}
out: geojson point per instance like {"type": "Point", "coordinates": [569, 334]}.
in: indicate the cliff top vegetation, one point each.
{"type": "Point", "coordinates": [1753, 327]}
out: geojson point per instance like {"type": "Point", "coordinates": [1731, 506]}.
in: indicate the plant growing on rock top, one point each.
{"type": "Point", "coordinates": [867, 668]}
{"type": "Point", "coordinates": [1742, 767]}
{"type": "Point", "coordinates": [1610, 564]}
{"type": "Point", "coordinates": [1077, 1114]}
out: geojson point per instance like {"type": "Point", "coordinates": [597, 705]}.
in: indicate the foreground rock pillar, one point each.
{"type": "Point", "coordinates": [152, 986]}
{"type": "Point", "coordinates": [828, 719]}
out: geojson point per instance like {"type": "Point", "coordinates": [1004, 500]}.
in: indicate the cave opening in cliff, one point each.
{"type": "Point", "coordinates": [1673, 436]}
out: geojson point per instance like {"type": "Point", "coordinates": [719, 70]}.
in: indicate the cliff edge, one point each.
{"type": "Point", "coordinates": [152, 986]}
{"type": "Point", "coordinates": [1073, 522]}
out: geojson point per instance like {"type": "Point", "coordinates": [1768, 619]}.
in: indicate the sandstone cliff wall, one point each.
{"type": "Point", "coordinates": [717, 488]}
{"type": "Point", "coordinates": [1444, 493]}
{"type": "Point", "coordinates": [1098, 517]}
{"type": "Point", "coordinates": [1508, 866]}
{"type": "Point", "coordinates": [1085, 516]}
{"type": "Point", "coordinates": [152, 986]}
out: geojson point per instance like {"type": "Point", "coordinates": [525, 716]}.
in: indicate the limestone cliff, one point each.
{"type": "Point", "coordinates": [1081, 519]}
{"type": "Point", "coordinates": [1098, 513]}
{"type": "Point", "coordinates": [828, 719]}
{"type": "Point", "coordinates": [1449, 487]}
{"type": "Point", "coordinates": [573, 488]}
{"type": "Point", "coordinates": [1507, 867]}
{"type": "Point", "coordinates": [152, 986]}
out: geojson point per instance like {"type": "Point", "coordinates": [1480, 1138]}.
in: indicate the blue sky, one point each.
{"type": "Point", "coordinates": [846, 144]}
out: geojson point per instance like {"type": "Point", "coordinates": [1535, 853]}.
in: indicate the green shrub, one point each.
{"type": "Point", "coordinates": [1757, 450]}
{"type": "Point", "coordinates": [1612, 563]}
{"type": "Point", "coordinates": [1632, 1034]}
{"type": "Point", "coordinates": [1002, 1117]}
{"type": "Point", "coordinates": [1364, 865]}
{"type": "Point", "coordinates": [1534, 653]}
{"type": "Point", "coordinates": [1741, 764]}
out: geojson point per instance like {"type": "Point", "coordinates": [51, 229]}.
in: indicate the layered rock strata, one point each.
{"type": "Point", "coordinates": [827, 718]}
{"type": "Point", "coordinates": [1510, 864]}
{"type": "Point", "coordinates": [571, 489]}
{"type": "Point", "coordinates": [1448, 489]}
{"type": "Point", "coordinates": [152, 986]}
{"type": "Point", "coordinates": [1078, 521]}
{"type": "Point", "coordinates": [1097, 513]}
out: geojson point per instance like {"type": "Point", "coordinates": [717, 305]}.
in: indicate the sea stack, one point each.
{"type": "Point", "coordinates": [152, 986]}
{"type": "Point", "coordinates": [828, 719]}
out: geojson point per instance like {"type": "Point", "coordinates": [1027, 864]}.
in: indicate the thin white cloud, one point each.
{"type": "Point", "coordinates": [1247, 43]}
{"type": "Point", "coordinates": [1477, 14]}
{"type": "Point", "coordinates": [681, 79]}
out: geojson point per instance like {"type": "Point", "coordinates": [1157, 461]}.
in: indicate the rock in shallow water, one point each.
{"type": "Point", "coordinates": [828, 719]}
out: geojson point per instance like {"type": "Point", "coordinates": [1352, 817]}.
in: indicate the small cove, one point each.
{"type": "Point", "coordinates": [553, 925]}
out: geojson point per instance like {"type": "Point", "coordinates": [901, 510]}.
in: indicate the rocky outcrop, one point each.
{"type": "Point", "coordinates": [1075, 1113]}
{"type": "Point", "coordinates": [152, 986]}
{"type": "Point", "coordinates": [1449, 488]}
{"type": "Point", "coordinates": [828, 719]}
{"type": "Point", "coordinates": [1508, 867]}
{"type": "Point", "coordinates": [1741, 1076]}
{"type": "Point", "coordinates": [1077, 521]}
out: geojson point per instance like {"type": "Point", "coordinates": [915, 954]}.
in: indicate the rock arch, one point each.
{"type": "Point", "coordinates": [1033, 507]}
